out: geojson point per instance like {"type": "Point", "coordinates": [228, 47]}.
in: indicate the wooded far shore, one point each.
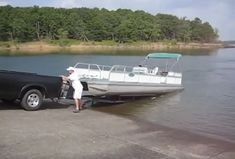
{"type": "Point", "coordinates": [45, 30]}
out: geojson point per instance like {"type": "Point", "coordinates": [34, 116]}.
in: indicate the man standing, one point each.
{"type": "Point", "coordinates": [77, 86]}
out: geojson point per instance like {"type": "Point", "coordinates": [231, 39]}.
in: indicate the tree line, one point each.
{"type": "Point", "coordinates": [122, 25]}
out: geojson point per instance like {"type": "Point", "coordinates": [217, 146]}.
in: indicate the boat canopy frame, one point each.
{"type": "Point", "coordinates": [164, 56]}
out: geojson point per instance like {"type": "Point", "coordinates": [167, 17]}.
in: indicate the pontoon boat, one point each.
{"type": "Point", "coordinates": [146, 79]}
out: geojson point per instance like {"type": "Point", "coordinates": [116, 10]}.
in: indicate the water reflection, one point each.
{"type": "Point", "coordinates": [141, 106]}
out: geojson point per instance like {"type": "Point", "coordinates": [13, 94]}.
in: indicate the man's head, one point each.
{"type": "Point", "coordinates": [70, 69]}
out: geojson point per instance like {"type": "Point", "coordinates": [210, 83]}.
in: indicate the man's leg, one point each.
{"type": "Point", "coordinates": [77, 98]}
{"type": "Point", "coordinates": [77, 104]}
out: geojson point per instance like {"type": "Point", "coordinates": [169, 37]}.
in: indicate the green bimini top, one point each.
{"type": "Point", "coordinates": [164, 56]}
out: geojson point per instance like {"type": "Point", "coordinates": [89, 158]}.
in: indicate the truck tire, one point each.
{"type": "Point", "coordinates": [32, 100]}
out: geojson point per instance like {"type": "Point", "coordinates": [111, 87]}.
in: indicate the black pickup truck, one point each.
{"type": "Point", "coordinates": [29, 88]}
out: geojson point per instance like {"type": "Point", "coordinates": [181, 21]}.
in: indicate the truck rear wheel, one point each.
{"type": "Point", "coordinates": [32, 100]}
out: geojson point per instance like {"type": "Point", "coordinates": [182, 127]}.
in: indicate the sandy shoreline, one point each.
{"type": "Point", "coordinates": [44, 47]}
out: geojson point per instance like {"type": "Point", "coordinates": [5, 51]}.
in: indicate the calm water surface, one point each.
{"type": "Point", "coordinates": [206, 106]}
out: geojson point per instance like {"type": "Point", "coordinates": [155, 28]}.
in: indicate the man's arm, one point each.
{"type": "Point", "coordinates": [65, 78]}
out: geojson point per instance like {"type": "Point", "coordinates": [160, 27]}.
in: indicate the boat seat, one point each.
{"type": "Point", "coordinates": [154, 71]}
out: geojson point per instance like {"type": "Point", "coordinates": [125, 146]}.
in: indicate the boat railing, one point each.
{"type": "Point", "coordinates": [120, 70]}
{"type": "Point", "coordinates": [128, 73]}
{"type": "Point", "coordinates": [121, 73]}
{"type": "Point", "coordinates": [135, 74]}
{"type": "Point", "coordinates": [92, 70]}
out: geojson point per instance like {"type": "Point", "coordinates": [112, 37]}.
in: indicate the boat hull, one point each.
{"type": "Point", "coordinates": [100, 88]}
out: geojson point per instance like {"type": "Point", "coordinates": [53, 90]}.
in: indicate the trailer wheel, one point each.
{"type": "Point", "coordinates": [32, 100]}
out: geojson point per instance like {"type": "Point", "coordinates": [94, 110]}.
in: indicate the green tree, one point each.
{"type": "Point", "coordinates": [168, 25]}
{"type": "Point", "coordinates": [184, 31]}
{"type": "Point", "coordinates": [122, 25]}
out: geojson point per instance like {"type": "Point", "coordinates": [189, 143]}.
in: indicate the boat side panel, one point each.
{"type": "Point", "coordinates": [135, 88]}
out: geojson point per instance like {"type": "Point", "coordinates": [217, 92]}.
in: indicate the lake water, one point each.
{"type": "Point", "coordinates": [206, 106]}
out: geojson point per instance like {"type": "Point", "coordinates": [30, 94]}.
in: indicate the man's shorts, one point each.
{"type": "Point", "coordinates": [77, 94]}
